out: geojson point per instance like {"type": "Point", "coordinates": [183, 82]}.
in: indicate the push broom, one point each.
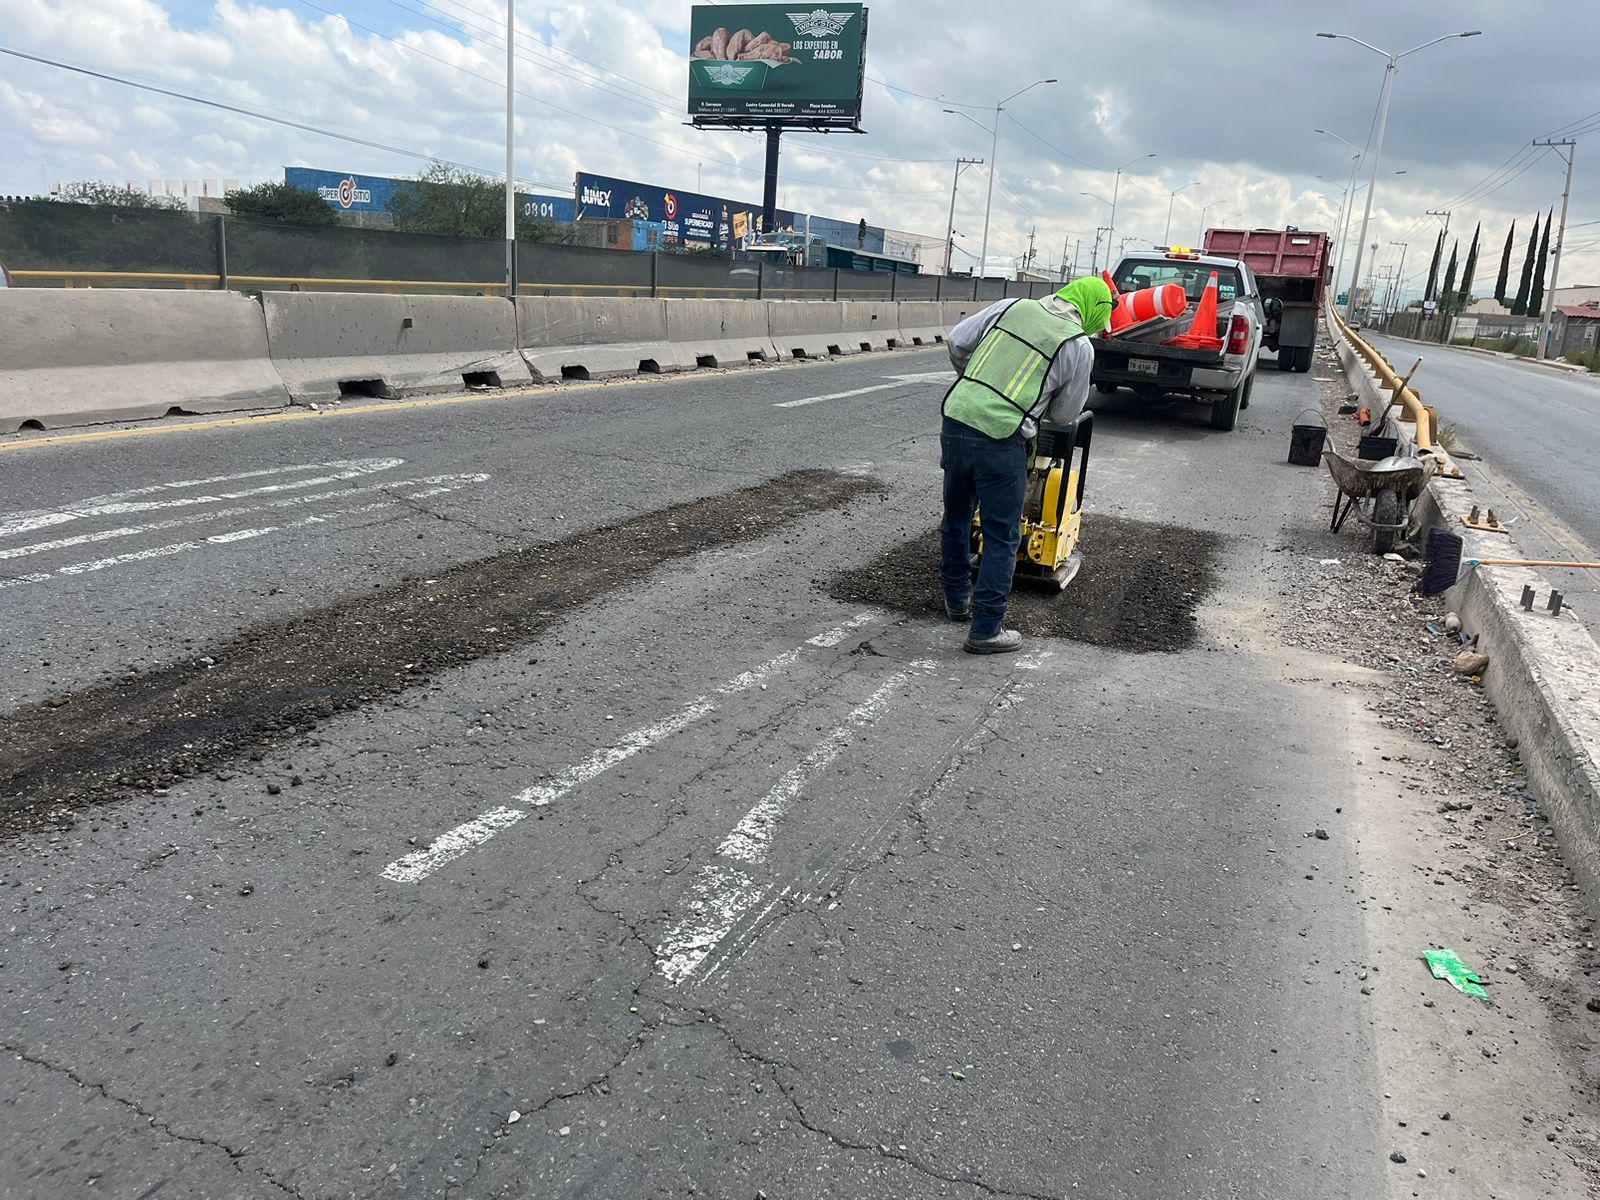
{"type": "Point", "coordinates": [1441, 569]}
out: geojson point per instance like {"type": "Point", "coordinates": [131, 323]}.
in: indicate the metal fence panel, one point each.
{"type": "Point", "coordinates": [550, 269]}
{"type": "Point", "coordinates": [696, 277]}
{"type": "Point", "coordinates": [276, 255]}
{"type": "Point", "coordinates": [800, 283]}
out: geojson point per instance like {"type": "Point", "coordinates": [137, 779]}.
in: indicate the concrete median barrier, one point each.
{"type": "Point", "coordinates": [870, 325]}
{"type": "Point", "coordinates": [921, 322]}
{"type": "Point", "coordinates": [808, 328]}
{"type": "Point", "coordinates": [719, 333]}
{"type": "Point", "coordinates": [586, 338]}
{"type": "Point", "coordinates": [956, 311]}
{"type": "Point", "coordinates": [80, 356]}
{"type": "Point", "coordinates": [332, 344]}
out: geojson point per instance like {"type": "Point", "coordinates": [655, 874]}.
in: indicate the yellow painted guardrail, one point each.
{"type": "Point", "coordinates": [1423, 416]}
{"type": "Point", "coordinates": [192, 282]}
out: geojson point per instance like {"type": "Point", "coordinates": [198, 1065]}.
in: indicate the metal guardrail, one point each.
{"type": "Point", "coordinates": [305, 283]}
{"type": "Point", "coordinates": [1425, 417]}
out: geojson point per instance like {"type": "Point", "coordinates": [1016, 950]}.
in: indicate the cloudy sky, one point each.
{"type": "Point", "coordinates": [1224, 95]}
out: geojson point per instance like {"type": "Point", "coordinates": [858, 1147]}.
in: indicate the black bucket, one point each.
{"type": "Point", "coordinates": [1306, 441]}
{"type": "Point", "coordinates": [1373, 448]}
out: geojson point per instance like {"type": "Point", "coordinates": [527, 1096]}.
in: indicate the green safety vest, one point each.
{"type": "Point", "coordinates": [1004, 378]}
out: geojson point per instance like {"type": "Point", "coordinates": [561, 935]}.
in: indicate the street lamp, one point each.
{"type": "Point", "coordinates": [1346, 204]}
{"type": "Point", "coordinates": [1167, 237]}
{"type": "Point", "coordinates": [1116, 187]}
{"type": "Point", "coordinates": [1389, 70]}
{"type": "Point", "coordinates": [994, 153]}
{"type": "Point", "coordinates": [511, 160]}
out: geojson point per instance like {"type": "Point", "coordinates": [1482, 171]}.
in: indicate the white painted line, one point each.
{"type": "Point", "coordinates": [751, 838]}
{"type": "Point", "coordinates": [722, 894]}
{"type": "Point", "coordinates": [894, 382]}
{"type": "Point", "coordinates": [602, 761]}
{"type": "Point", "coordinates": [122, 503]}
{"type": "Point", "coordinates": [452, 845]}
{"type": "Point", "coordinates": [106, 535]}
{"type": "Point", "coordinates": [834, 636]}
{"type": "Point", "coordinates": [414, 868]}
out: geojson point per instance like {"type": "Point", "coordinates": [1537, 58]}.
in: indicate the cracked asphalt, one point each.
{"type": "Point", "coordinates": [715, 885]}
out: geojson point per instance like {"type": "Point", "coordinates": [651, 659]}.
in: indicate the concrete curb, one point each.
{"type": "Point", "coordinates": [80, 356]}
{"type": "Point", "coordinates": [1544, 672]}
{"type": "Point", "coordinates": [575, 338]}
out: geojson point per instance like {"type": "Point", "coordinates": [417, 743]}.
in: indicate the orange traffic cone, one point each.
{"type": "Point", "coordinates": [1135, 309]}
{"type": "Point", "coordinates": [1202, 333]}
{"type": "Point", "coordinates": [1106, 275]}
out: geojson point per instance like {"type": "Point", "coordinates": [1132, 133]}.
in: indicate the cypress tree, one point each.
{"type": "Point", "coordinates": [1505, 265]}
{"type": "Point", "coordinates": [1536, 296]}
{"type": "Point", "coordinates": [1447, 293]}
{"type": "Point", "coordinates": [1519, 306]}
{"type": "Point", "coordinates": [1433, 268]}
{"type": "Point", "coordinates": [1464, 297]}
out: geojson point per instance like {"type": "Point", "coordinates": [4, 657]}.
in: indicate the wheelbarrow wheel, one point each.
{"type": "Point", "coordinates": [1386, 510]}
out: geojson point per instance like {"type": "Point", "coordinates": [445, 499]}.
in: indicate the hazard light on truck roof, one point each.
{"type": "Point", "coordinates": [1179, 252]}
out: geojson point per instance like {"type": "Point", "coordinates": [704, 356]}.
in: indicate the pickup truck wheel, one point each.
{"type": "Point", "coordinates": [1225, 409]}
{"type": "Point", "coordinates": [1250, 384]}
{"type": "Point", "coordinates": [1302, 362]}
{"type": "Point", "coordinates": [1386, 510]}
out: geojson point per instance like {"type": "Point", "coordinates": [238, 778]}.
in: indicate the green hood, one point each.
{"type": "Point", "coordinates": [1092, 298]}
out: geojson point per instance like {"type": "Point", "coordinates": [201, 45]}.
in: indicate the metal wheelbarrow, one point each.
{"type": "Point", "coordinates": [1380, 493]}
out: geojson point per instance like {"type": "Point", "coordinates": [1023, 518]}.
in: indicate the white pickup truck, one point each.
{"type": "Point", "coordinates": [1221, 378]}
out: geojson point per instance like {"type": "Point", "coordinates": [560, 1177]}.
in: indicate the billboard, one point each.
{"type": "Point", "coordinates": [686, 218]}
{"type": "Point", "coordinates": [346, 192]}
{"type": "Point", "coordinates": [777, 62]}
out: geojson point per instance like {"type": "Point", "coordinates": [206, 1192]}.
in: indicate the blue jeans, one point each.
{"type": "Point", "coordinates": [993, 476]}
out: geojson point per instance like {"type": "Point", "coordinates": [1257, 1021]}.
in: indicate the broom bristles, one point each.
{"type": "Point", "coordinates": [1441, 557]}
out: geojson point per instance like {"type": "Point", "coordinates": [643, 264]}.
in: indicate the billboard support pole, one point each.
{"type": "Point", "coordinates": [769, 193]}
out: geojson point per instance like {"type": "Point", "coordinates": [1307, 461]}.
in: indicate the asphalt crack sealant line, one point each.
{"type": "Point", "coordinates": [274, 680]}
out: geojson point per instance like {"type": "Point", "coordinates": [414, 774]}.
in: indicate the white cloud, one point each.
{"type": "Point", "coordinates": [602, 87]}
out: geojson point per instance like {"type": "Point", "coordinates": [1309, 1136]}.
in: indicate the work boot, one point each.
{"type": "Point", "coordinates": [963, 613]}
{"type": "Point", "coordinates": [1003, 642]}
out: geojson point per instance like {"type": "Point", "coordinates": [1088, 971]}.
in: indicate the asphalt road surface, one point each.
{"type": "Point", "coordinates": [490, 798]}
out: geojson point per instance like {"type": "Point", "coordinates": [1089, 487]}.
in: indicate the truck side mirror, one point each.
{"type": "Point", "coordinates": [1274, 308]}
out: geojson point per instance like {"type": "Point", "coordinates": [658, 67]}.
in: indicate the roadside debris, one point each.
{"type": "Point", "coordinates": [1447, 965]}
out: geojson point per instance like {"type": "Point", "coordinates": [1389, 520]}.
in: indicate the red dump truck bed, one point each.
{"type": "Point", "coordinates": [1292, 266]}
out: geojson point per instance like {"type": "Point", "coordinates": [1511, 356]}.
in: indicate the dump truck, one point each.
{"type": "Point", "coordinates": [1291, 266]}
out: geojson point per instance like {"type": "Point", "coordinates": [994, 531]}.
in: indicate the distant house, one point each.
{"type": "Point", "coordinates": [1575, 327]}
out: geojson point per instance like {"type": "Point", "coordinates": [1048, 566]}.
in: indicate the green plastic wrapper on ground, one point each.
{"type": "Point", "coordinates": [1447, 965]}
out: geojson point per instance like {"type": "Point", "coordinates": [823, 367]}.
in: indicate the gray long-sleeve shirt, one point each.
{"type": "Point", "coordinates": [1066, 384]}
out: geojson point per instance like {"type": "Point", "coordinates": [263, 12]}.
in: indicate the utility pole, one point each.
{"type": "Point", "coordinates": [1561, 230]}
{"type": "Point", "coordinates": [950, 234]}
{"type": "Point", "coordinates": [1029, 260]}
{"type": "Point", "coordinates": [1066, 245]}
{"type": "Point", "coordinates": [511, 165]}
{"type": "Point", "coordinates": [1399, 275]}
{"type": "Point", "coordinates": [1094, 257]}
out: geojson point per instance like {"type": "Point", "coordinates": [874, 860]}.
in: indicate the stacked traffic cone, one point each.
{"type": "Point", "coordinates": [1133, 310]}
{"type": "Point", "coordinates": [1106, 275]}
{"type": "Point", "coordinates": [1202, 333]}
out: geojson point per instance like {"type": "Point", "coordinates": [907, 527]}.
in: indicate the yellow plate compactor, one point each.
{"type": "Point", "coordinates": [1052, 512]}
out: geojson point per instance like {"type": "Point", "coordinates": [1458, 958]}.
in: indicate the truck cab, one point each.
{"type": "Point", "coordinates": [1222, 378]}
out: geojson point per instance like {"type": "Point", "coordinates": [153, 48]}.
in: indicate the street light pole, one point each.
{"type": "Point", "coordinates": [1347, 206]}
{"type": "Point", "coordinates": [1390, 67]}
{"type": "Point", "coordinates": [949, 241]}
{"type": "Point", "coordinates": [1167, 236]}
{"type": "Point", "coordinates": [1115, 188]}
{"type": "Point", "coordinates": [511, 166]}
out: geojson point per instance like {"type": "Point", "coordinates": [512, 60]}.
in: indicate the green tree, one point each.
{"type": "Point", "coordinates": [1433, 267]}
{"type": "Point", "coordinates": [1536, 295]}
{"type": "Point", "coordinates": [1519, 306]}
{"type": "Point", "coordinates": [1464, 296]}
{"type": "Point", "coordinates": [459, 203]}
{"type": "Point", "coordinates": [1447, 292]}
{"type": "Point", "coordinates": [1505, 265]}
{"type": "Point", "coordinates": [282, 202]}
{"type": "Point", "coordinates": [93, 191]}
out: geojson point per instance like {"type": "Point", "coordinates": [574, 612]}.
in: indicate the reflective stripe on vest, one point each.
{"type": "Point", "coordinates": [1005, 376]}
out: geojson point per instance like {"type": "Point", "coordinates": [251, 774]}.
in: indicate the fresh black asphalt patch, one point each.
{"type": "Point", "coordinates": [1138, 589]}
{"type": "Point", "coordinates": [147, 731]}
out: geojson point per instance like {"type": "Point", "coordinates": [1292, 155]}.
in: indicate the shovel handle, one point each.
{"type": "Point", "coordinates": [1535, 562]}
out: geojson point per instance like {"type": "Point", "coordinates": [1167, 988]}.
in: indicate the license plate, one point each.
{"type": "Point", "coordinates": [1144, 366]}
